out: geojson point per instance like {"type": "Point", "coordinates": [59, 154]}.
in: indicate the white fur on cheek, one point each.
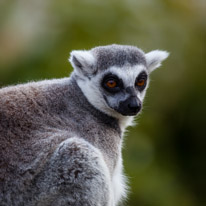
{"type": "Point", "coordinates": [91, 91]}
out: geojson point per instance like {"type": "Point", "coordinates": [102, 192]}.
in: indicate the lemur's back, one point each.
{"type": "Point", "coordinates": [26, 123]}
{"type": "Point", "coordinates": [35, 118]}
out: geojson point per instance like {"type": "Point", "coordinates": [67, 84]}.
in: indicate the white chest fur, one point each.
{"type": "Point", "coordinates": [119, 183]}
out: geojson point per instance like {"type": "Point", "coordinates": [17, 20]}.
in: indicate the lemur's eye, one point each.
{"type": "Point", "coordinates": [111, 83]}
{"type": "Point", "coordinates": [140, 82]}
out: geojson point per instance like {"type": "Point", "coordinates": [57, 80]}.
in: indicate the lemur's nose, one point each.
{"type": "Point", "coordinates": [134, 105]}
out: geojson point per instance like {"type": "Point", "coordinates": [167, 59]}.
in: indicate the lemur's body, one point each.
{"type": "Point", "coordinates": [60, 140]}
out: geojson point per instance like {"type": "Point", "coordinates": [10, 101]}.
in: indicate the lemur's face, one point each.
{"type": "Point", "coordinates": [114, 78]}
{"type": "Point", "coordinates": [123, 88]}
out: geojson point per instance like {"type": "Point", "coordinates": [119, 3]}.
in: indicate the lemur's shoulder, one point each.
{"type": "Point", "coordinates": [22, 95]}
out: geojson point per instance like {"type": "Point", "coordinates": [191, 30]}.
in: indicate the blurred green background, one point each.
{"type": "Point", "coordinates": [165, 154]}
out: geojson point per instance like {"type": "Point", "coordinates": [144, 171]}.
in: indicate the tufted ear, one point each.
{"type": "Point", "coordinates": [83, 62]}
{"type": "Point", "coordinates": [155, 58]}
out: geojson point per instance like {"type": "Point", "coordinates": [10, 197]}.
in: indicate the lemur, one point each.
{"type": "Point", "coordinates": [61, 139]}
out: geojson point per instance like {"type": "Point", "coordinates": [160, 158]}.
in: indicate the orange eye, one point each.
{"type": "Point", "coordinates": [140, 82]}
{"type": "Point", "coordinates": [111, 83]}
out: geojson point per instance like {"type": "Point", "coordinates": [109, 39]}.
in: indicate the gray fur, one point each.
{"type": "Point", "coordinates": [56, 147]}
{"type": "Point", "coordinates": [37, 117]}
{"type": "Point", "coordinates": [117, 55]}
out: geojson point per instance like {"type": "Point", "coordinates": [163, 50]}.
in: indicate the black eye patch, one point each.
{"type": "Point", "coordinates": [141, 81]}
{"type": "Point", "coordinates": [111, 83]}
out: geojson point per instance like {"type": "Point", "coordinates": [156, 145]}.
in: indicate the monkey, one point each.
{"type": "Point", "coordinates": [61, 139]}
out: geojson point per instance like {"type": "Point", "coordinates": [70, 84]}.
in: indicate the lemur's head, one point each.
{"type": "Point", "coordinates": [114, 78]}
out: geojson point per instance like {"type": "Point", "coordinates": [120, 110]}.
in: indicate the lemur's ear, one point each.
{"type": "Point", "coordinates": [155, 58]}
{"type": "Point", "coordinates": [83, 62]}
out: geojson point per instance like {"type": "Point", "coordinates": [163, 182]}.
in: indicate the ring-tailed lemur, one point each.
{"type": "Point", "coordinates": [60, 140]}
